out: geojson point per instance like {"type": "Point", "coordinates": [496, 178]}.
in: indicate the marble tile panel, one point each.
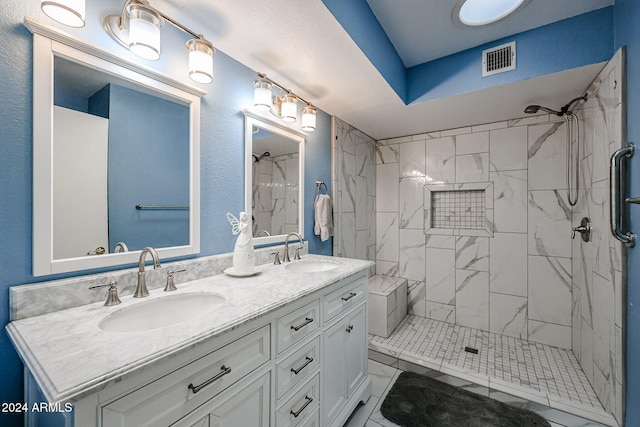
{"type": "Point", "coordinates": [472, 253]}
{"type": "Point", "coordinates": [412, 159]}
{"type": "Point", "coordinates": [387, 268]}
{"type": "Point", "coordinates": [440, 160]}
{"type": "Point", "coordinates": [550, 290]}
{"type": "Point", "coordinates": [602, 313]}
{"type": "Point", "coordinates": [439, 311]}
{"type": "Point", "coordinates": [456, 131]}
{"type": "Point", "coordinates": [442, 242]}
{"type": "Point", "coordinates": [489, 126]}
{"type": "Point", "coordinates": [508, 264]}
{"type": "Point", "coordinates": [412, 253]}
{"type": "Point", "coordinates": [348, 184]}
{"type": "Point", "coordinates": [550, 334]}
{"type": "Point", "coordinates": [508, 315]}
{"type": "Point", "coordinates": [508, 149]}
{"type": "Point", "coordinates": [386, 154]}
{"type": "Point", "coordinates": [549, 224]}
{"type": "Point", "coordinates": [440, 283]}
{"type": "Point", "coordinates": [361, 203]}
{"type": "Point", "coordinates": [472, 143]}
{"type": "Point", "coordinates": [472, 167]}
{"type": "Point", "coordinates": [510, 201]}
{"type": "Point", "coordinates": [361, 245]}
{"type": "Point", "coordinates": [472, 299]}
{"type": "Point", "coordinates": [387, 188]}
{"type": "Point", "coordinates": [586, 350]}
{"type": "Point", "coordinates": [371, 220]}
{"type": "Point", "coordinates": [348, 234]}
{"type": "Point", "coordinates": [576, 320]}
{"type": "Point", "coordinates": [410, 194]}
{"type": "Point", "coordinates": [547, 156]}
{"type": "Point", "coordinates": [416, 298]}
{"type": "Point", "coordinates": [387, 236]}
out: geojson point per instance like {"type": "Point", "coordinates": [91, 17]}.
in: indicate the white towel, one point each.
{"type": "Point", "coordinates": [323, 213]}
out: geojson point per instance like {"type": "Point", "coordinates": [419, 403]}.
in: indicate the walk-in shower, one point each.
{"type": "Point", "coordinates": [573, 138]}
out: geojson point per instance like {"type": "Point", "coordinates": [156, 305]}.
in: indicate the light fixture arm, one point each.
{"type": "Point", "coordinates": [163, 15]}
{"type": "Point", "coordinates": [284, 89]}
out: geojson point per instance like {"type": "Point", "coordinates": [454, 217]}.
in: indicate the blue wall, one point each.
{"type": "Point", "coordinates": [627, 33]}
{"type": "Point", "coordinates": [222, 154]}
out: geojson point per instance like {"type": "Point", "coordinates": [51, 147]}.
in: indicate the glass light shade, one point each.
{"type": "Point", "coordinates": [308, 121]}
{"type": "Point", "coordinates": [144, 32]}
{"type": "Point", "coordinates": [289, 108]}
{"type": "Point", "coordinates": [67, 12]}
{"type": "Point", "coordinates": [262, 95]}
{"type": "Point", "coordinates": [200, 60]}
{"type": "Point", "coordinates": [482, 12]}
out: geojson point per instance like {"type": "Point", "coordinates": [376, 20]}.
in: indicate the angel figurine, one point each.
{"type": "Point", "coordinates": [244, 257]}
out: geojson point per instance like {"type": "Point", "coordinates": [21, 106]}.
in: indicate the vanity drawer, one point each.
{"type": "Point", "coordinates": [298, 367]}
{"type": "Point", "coordinates": [344, 298]}
{"type": "Point", "coordinates": [178, 393]}
{"type": "Point", "coordinates": [297, 325]}
{"type": "Point", "coordinates": [295, 410]}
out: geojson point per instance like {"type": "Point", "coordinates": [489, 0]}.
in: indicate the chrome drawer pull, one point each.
{"type": "Point", "coordinates": [309, 360]}
{"type": "Point", "coordinates": [307, 320]}
{"type": "Point", "coordinates": [309, 400]}
{"type": "Point", "coordinates": [351, 295]}
{"type": "Point", "coordinates": [197, 388]}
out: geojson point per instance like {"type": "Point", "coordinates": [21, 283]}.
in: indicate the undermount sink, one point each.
{"type": "Point", "coordinates": [161, 312]}
{"type": "Point", "coordinates": [311, 266]}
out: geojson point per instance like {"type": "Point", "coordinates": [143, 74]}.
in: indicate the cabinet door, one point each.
{"type": "Point", "coordinates": [356, 331]}
{"type": "Point", "coordinates": [248, 407]}
{"type": "Point", "coordinates": [334, 370]}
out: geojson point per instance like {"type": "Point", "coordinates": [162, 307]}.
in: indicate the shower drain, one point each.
{"type": "Point", "coordinates": [471, 350]}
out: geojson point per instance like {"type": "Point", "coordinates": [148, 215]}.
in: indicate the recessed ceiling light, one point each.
{"type": "Point", "coordinates": [475, 13]}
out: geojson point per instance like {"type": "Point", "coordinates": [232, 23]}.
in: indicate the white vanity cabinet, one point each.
{"type": "Point", "coordinates": [302, 364]}
{"type": "Point", "coordinates": [344, 364]}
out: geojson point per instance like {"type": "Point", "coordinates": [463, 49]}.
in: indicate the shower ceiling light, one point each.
{"type": "Point", "coordinates": [137, 28]}
{"type": "Point", "coordinates": [284, 104]}
{"type": "Point", "coordinates": [67, 12]}
{"type": "Point", "coordinates": [475, 13]}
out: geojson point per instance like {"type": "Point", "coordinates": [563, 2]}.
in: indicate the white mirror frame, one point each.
{"type": "Point", "coordinates": [254, 118]}
{"type": "Point", "coordinates": [47, 43]}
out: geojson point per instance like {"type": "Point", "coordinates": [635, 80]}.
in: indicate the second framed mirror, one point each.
{"type": "Point", "coordinates": [274, 180]}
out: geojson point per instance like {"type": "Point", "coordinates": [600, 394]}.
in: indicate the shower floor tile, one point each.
{"type": "Point", "coordinates": [541, 373]}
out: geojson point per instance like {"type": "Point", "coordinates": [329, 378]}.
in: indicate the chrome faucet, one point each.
{"type": "Point", "coordinates": [141, 290]}
{"type": "Point", "coordinates": [285, 257]}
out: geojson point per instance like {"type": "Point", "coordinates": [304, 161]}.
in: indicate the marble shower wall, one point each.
{"type": "Point", "coordinates": [516, 283]}
{"type": "Point", "coordinates": [275, 194]}
{"type": "Point", "coordinates": [598, 288]}
{"type": "Point", "coordinates": [354, 198]}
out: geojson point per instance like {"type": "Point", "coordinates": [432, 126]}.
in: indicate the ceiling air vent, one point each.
{"type": "Point", "coordinates": [499, 59]}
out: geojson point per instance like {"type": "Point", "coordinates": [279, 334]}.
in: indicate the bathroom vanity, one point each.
{"type": "Point", "coordinates": [286, 347]}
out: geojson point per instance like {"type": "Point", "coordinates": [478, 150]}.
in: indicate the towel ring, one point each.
{"type": "Point", "coordinates": [319, 185]}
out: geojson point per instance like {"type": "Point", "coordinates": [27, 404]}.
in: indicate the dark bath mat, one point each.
{"type": "Point", "coordinates": [419, 401]}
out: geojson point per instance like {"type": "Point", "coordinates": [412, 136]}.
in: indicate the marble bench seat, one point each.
{"type": "Point", "coordinates": [387, 304]}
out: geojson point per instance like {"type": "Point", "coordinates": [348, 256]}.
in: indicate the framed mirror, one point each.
{"type": "Point", "coordinates": [274, 179]}
{"type": "Point", "coordinates": [116, 151]}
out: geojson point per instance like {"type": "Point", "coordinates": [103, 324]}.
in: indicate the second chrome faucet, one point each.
{"type": "Point", "coordinates": [141, 289]}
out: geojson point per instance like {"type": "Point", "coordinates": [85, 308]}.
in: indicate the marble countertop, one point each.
{"type": "Point", "coordinates": [71, 357]}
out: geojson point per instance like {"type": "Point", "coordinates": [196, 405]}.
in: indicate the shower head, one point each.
{"type": "Point", "coordinates": [532, 109]}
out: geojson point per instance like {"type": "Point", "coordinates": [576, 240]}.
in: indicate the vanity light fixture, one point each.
{"type": "Point", "coordinates": [284, 104]}
{"type": "Point", "coordinates": [138, 26]}
{"type": "Point", "coordinates": [67, 12]}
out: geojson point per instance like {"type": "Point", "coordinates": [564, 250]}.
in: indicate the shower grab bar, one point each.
{"type": "Point", "coordinates": [139, 207]}
{"type": "Point", "coordinates": [616, 206]}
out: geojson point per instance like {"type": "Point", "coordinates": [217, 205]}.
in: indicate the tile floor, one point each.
{"type": "Point", "coordinates": [545, 375]}
{"type": "Point", "coordinates": [383, 376]}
